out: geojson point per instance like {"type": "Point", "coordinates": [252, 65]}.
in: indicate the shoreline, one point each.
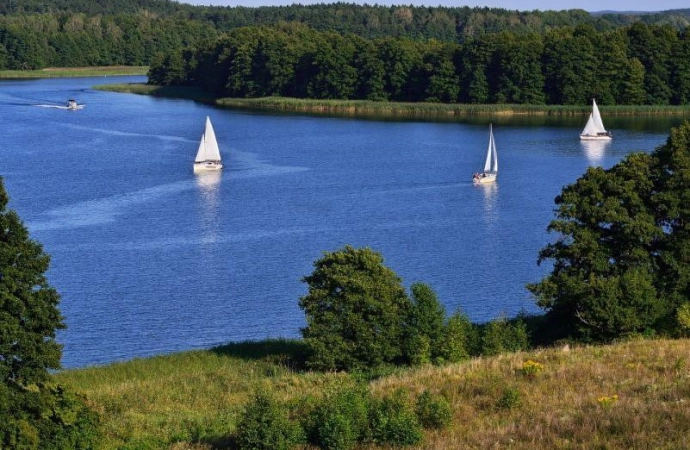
{"type": "Point", "coordinates": [70, 72]}
{"type": "Point", "coordinates": [364, 108]}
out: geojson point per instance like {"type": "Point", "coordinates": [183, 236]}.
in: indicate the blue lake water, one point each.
{"type": "Point", "coordinates": [150, 258]}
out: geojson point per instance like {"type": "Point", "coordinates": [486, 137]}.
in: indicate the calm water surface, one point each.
{"type": "Point", "coordinates": [150, 258]}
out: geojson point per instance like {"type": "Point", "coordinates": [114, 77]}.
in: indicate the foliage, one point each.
{"type": "Point", "coordinates": [511, 398]}
{"type": "Point", "coordinates": [425, 326]}
{"type": "Point", "coordinates": [340, 421]}
{"type": "Point", "coordinates": [393, 421]}
{"type": "Point", "coordinates": [502, 335]}
{"type": "Point", "coordinates": [33, 413]}
{"type": "Point", "coordinates": [433, 412]}
{"type": "Point", "coordinates": [355, 310]}
{"type": "Point", "coordinates": [264, 425]}
{"type": "Point", "coordinates": [620, 263]}
{"type": "Point", "coordinates": [564, 66]}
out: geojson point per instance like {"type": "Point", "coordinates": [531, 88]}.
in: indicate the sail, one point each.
{"type": "Point", "coordinates": [594, 124]}
{"type": "Point", "coordinates": [596, 117]}
{"type": "Point", "coordinates": [491, 163]}
{"type": "Point", "coordinates": [208, 146]}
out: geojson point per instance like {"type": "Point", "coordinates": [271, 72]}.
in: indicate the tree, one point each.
{"type": "Point", "coordinates": [355, 310]}
{"type": "Point", "coordinates": [425, 327]}
{"type": "Point", "coordinates": [621, 263]}
{"type": "Point", "coordinates": [33, 413]}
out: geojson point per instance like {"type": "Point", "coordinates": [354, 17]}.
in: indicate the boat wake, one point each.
{"type": "Point", "coordinates": [61, 107]}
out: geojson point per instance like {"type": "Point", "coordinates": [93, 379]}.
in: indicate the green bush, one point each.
{"type": "Point", "coordinates": [433, 412]}
{"type": "Point", "coordinates": [501, 335]}
{"type": "Point", "coordinates": [394, 422]}
{"type": "Point", "coordinates": [340, 421]}
{"type": "Point", "coordinates": [264, 425]}
{"type": "Point", "coordinates": [510, 398]}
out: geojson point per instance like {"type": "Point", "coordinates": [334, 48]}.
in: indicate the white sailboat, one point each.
{"type": "Point", "coordinates": [490, 172]}
{"type": "Point", "coordinates": [208, 155]}
{"type": "Point", "coordinates": [594, 129]}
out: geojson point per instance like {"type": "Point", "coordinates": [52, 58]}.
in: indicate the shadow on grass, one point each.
{"type": "Point", "coordinates": [291, 353]}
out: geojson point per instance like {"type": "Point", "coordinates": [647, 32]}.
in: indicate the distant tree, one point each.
{"type": "Point", "coordinates": [34, 414]}
{"type": "Point", "coordinates": [355, 310]}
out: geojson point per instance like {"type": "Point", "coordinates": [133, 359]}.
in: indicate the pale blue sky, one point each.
{"type": "Point", "coordinates": [521, 5]}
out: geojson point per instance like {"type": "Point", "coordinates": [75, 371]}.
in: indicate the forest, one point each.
{"type": "Point", "coordinates": [75, 33]}
{"type": "Point", "coordinates": [637, 64]}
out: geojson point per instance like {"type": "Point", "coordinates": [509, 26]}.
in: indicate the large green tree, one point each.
{"type": "Point", "coordinates": [356, 310]}
{"type": "Point", "coordinates": [620, 264]}
{"type": "Point", "coordinates": [34, 414]}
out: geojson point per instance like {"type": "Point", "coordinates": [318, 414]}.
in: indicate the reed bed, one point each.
{"type": "Point", "coordinates": [365, 108]}
{"type": "Point", "coordinates": [630, 395]}
{"type": "Point", "coordinates": [67, 72]}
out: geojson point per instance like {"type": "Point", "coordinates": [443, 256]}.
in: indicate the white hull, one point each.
{"type": "Point", "coordinates": [587, 137]}
{"type": "Point", "coordinates": [485, 178]}
{"type": "Point", "coordinates": [207, 166]}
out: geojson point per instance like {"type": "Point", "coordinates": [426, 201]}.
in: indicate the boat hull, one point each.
{"type": "Point", "coordinates": [207, 166]}
{"type": "Point", "coordinates": [589, 137]}
{"type": "Point", "coordinates": [484, 178]}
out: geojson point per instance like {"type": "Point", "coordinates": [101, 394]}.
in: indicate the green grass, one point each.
{"type": "Point", "coordinates": [633, 394]}
{"type": "Point", "coordinates": [65, 72]}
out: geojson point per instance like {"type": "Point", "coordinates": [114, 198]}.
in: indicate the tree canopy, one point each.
{"type": "Point", "coordinates": [620, 262]}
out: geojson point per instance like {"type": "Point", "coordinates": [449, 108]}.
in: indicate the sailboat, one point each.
{"type": "Point", "coordinates": [594, 129]}
{"type": "Point", "coordinates": [488, 175]}
{"type": "Point", "coordinates": [208, 155]}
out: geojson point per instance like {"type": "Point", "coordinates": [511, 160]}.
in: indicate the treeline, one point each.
{"type": "Point", "coordinates": [638, 64]}
{"type": "Point", "coordinates": [37, 34]}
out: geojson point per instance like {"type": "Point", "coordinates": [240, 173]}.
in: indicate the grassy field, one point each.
{"type": "Point", "coordinates": [65, 72]}
{"type": "Point", "coordinates": [632, 395]}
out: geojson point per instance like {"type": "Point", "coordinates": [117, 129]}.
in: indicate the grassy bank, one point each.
{"type": "Point", "coordinates": [363, 108]}
{"type": "Point", "coordinates": [630, 395]}
{"type": "Point", "coordinates": [66, 72]}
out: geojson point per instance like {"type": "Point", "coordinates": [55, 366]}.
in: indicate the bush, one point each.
{"type": "Point", "coordinates": [265, 426]}
{"type": "Point", "coordinates": [433, 413]}
{"type": "Point", "coordinates": [501, 335]}
{"type": "Point", "coordinates": [393, 421]}
{"type": "Point", "coordinates": [341, 420]}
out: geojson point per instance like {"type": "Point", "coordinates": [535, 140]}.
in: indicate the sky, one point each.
{"type": "Point", "coordinates": [520, 5]}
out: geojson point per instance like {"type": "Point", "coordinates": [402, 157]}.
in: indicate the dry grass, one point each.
{"type": "Point", "coordinates": [632, 395]}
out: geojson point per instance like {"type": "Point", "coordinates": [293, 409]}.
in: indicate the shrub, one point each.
{"type": "Point", "coordinates": [501, 335]}
{"type": "Point", "coordinates": [393, 421]}
{"type": "Point", "coordinates": [510, 398]}
{"type": "Point", "coordinates": [341, 420]}
{"type": "Point", "coordinates": [433, 413]}
{"type": "Point", "coordinates": [263, 425]}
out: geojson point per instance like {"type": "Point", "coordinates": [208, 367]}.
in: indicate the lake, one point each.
{"type": "Point", "coordinates": [150, 258]}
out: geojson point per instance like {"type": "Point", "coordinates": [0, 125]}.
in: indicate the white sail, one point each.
{"type": "Point", "coordinates": [596, 118]}
{"type": "Point", "coordinates": [594, 128]}
{"type": "Point", "coordinates": [208, 146]}
{"type": "Point", "coordinates": [490, 164]}
{"type": "Point", "coordinates": [208, 154]}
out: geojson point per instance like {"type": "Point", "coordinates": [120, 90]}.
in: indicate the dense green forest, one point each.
{"type": "Point", "coordinates": [632, 65]}
{"type": "Point", "coordinates": [37, 34]}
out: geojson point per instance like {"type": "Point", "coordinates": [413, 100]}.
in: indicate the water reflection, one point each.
{"type": "Point", "coordinates": [209, 187]}
{"type": "Point", "coordinates": [490, 197]}
{"type": "Point", "coordinates": [595, 150]}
